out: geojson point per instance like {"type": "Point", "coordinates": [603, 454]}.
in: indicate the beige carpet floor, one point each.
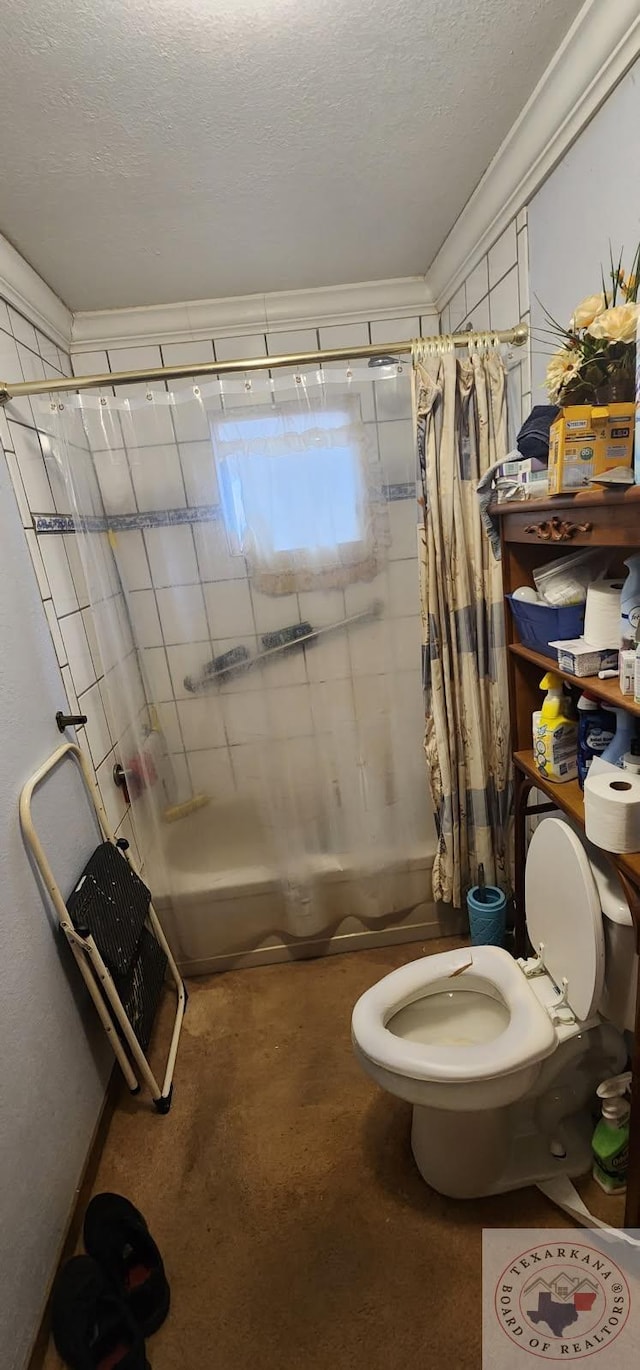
{"type": "Point", "coordinates": [282, 1192]}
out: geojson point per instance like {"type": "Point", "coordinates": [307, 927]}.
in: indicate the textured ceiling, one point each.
{"type": "Point", "coordinates": [156, 150]}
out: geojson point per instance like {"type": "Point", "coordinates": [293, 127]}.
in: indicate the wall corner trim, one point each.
{"type": "Point", "coordinates": [598, 50]}
{"type": "Point", "coordinates": [26, 291]}
{"type": "Point", "coordinates": [193, 320]}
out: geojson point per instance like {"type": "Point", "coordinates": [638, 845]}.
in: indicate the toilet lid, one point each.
{"type": "Point", "coordinates": [563, 912]}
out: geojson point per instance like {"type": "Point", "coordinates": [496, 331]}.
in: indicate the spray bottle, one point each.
{"type": "Point", "coordinates": [610, 1142]}
{"type": "Point", "coordinates": [555, 733]}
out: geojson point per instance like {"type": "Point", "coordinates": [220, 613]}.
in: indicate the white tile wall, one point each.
{"type": "Point", "coordinates": [188, 596]}
{"type": "Point", "coordinates": [27, 353]}
{"type": "Point", "coordinates": [495, 294]}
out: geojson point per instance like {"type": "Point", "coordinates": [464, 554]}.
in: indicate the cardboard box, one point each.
{"type": "Point", "coordinates": [589, 443]}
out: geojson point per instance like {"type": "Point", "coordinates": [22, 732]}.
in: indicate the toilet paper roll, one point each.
{"type": "Point", "coordinates": [612, 811]}
{"type": "Point", "coordinates": [602, 613]}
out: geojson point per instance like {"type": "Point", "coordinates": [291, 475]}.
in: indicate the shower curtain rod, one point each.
{"type": "Point", "coordinates": [440, 342]}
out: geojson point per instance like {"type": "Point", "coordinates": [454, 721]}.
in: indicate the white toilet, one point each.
{"type": "Point", "coordinates": [501, 1058]}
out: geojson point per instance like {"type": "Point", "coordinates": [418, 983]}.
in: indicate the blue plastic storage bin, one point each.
{"type": "Point", "coordinates": [540, 624]}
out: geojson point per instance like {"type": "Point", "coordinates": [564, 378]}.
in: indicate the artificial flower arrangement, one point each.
{"type": "Point", "coordinates": [597, 361]}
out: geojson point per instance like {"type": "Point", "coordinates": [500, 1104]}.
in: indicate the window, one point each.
{"type": "Point", "coordinates": [296, 493]}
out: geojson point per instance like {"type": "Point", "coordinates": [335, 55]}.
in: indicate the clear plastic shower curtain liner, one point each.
{"type": "Point", "coordinates": [256, 614]}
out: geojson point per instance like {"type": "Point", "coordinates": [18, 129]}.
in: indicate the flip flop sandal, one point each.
{"type": "Point", "coordinates": [117, 1236]}
{"type": "Point", "coordinates": [92, 1327]}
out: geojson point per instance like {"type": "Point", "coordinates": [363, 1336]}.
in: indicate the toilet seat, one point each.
{"type": "Point", "coordinates": [528, 1037]}
{"type": "Point", "coordinates": [564, 915]}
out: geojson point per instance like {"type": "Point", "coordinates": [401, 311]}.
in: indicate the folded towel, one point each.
{"type": "Point", "coordinates": [533, 438]}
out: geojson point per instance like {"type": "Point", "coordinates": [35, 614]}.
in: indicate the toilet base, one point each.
{"type": "Point", "coordinates": [472, 1155]}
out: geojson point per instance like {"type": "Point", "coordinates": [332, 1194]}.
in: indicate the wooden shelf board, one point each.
{"type": "Point", "coordinates": [606, 690]}
{"type": "Point", "coordinates": [601, 498]}
{"type": "Point", "coordinates": [568, 797]}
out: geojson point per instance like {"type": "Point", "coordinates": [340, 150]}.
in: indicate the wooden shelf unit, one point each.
{"type": "Point", "coordinates": [610, 520]}
{"type": "Point", "coordinates": [608, 691]}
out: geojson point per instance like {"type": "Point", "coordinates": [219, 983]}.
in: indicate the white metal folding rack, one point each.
{"type": "Point", "coordinates": [95, 973]}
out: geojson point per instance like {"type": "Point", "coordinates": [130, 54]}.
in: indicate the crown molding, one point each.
{"type": "Point", "coordinates": [193, 320]}
{"type": "Point", "coordinates": [26, 291]}
{"type": "Point", "coordinates": [598, 50]}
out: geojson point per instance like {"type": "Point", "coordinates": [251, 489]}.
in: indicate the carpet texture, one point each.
{"type": "Point", "coordinates": [281, 1189]}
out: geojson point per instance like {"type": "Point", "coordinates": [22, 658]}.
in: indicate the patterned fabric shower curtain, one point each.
{"type": "Point", "coordinates": [460, 412]}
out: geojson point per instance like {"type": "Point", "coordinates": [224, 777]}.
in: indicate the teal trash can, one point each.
{"type": "Point", "coordinates": [487, 908]}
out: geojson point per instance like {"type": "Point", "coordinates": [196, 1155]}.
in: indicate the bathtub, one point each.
{"type": "Point", "coordinates": [216, 889]}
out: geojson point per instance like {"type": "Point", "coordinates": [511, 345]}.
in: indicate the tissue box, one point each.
{"type": "Point", "coordinates": [581, 658]}
{"type": "Point", "coordinates": [586, 442]}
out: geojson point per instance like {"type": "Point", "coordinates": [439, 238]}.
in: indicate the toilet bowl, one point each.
{"type": "Point", "coordinates": [498, 1057]}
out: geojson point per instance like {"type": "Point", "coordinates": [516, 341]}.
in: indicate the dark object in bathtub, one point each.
{"type": "Point", "coordinates": [288, 638]}
{"type": "Point", "coordinates": [228, 664]}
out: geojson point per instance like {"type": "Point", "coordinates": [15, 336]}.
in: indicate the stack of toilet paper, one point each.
{"type": "Point", "coordinates": [612, 807]}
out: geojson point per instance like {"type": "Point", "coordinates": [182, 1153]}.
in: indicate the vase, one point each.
{"type": "Point", "coordinates": [617, 389]}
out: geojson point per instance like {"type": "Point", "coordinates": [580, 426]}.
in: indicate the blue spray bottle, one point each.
{"type": "Point", "coordinates": [596, 731]}
{"type": "Point", "coordinates": [621, 742]}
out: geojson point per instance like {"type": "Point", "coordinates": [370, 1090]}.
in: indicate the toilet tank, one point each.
{"type": "Point", "coordinates": [618, 1003]}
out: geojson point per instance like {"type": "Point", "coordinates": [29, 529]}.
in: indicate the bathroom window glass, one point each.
{"type": "Point", "coordinates": [296, 492]}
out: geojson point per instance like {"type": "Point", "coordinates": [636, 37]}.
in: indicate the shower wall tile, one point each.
{"type": "Point", "coordinates": [190, 423]}
{"type": "Point", "coordinates": [90, 363]}
{"type": "Point", "coordinates": [285, 668]}
{"type": "Point", "coordinates": [503, 255]}
{"type": "Point", "coordinates": [199, 473]}
{"type": "Point", "coordinates": [477, 284]}
{"type": "Point", "coordinates": [186, 662]}
{"type": "Point", "coordinates": [56, 564]}
{"type": "Point", "coordinates": [200, 725]}
{"type": "Point", "coordinates": [56, 635]}
{"type": "Point", "coordinates": [345, 335]}
{"type": "Point", "coordinates": [114, 479]}
{"type": "Point", "coordinates": [145, 619]}
{"type": "Point", "coordinates": [273, 612]}
{"type": "Point", "coordinates": [182, 614]}
{"type": "Point", "coordinates": [332, 704]}
{"type": "Point", "coordinates": [157, 476]}
{"type": "Point", "coordinates": [396, 447]}
{"type": "Point", "coordinates": [248, 345]}
{"type": "Point", "coordinates": [404, 589]}
{"type": "Point", "coordinates": [77, 570]}
{"type": "Point", "coordinates": [289, 711]}
{"type": "Point", "coordinates": [321, 608]}
{"type": "Point", "coordinates": [182, 779]}
{"type": "Point", "coordinates": [328, 658]}
{"type": "Point", "coordinates": [181, 354]}
{"type": "Point", "coordinates": [170, 726]}
{"type": "Point", "coordinates": [133, 563]}
{"type": "Point", "coordinates": [504, 305]}
{"type": "Point", "coordinates": [497, 296]}
{"type": "Point", "coordinates": [388, 330]}
{"type": "Point", "coordinates": [245, 717]}
{"type": "Point", "coordinates": [38, 564]}
{"type": "Point", "coordinates": [29, 456]}
{"type": "Point", "coordinates": [229, 608]}
{"type": "Point", "coordinates": [96, 727]}
{"type": "Point", "coordinates": [403, 523]}
{"type": "Point", "coordinates": [134, 358]}
{"type": "Point", "coordinates": [23, 331]}
{"type": "Point", "coordinates": [154, 666]}
{"type": "Point", "coordinates": [78, 652]}
{"type": "Point", "coordinates": [172, 557]}
{"type": "Point", "coordinates": [212, 773]}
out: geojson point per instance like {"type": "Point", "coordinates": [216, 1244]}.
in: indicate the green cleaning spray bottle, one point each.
{"type": "Point", "coordinates": [610, 1142]}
